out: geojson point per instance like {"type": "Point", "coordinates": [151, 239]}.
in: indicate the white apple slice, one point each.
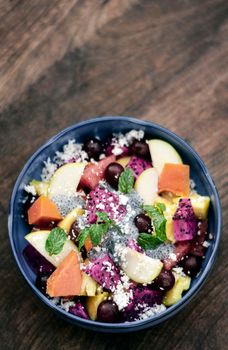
{"type": "Point", "coordinates": [66, 179]}
{"type": "Point", "coordinates": [147, 185]}
{"type": "Point", "coordinates": [139, 267]}
{"type": "Point", "coordinates": [38, 239]}
{"type": "Point", "coordinates": [162, 152]}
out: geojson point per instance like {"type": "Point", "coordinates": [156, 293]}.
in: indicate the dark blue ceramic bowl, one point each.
{"type": "Point", "coordinates": [103, 127]}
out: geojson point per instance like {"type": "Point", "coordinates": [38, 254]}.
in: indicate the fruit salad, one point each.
{"type": "Point", "coordinates": [117, 228]}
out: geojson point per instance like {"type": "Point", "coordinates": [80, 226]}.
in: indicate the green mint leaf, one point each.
{"type": "Point", "coordinates": [102, 216]}
{"type": "Point", "coordinates": [82, 237]}
{"type": "Point", "coordinates": [126, 181]}
{"type": "Point", "coordinates": [96, 232]}
{"type": "Point", "coordinates": [156, 213]}
{"type": "Point", "coordinates": [55, 241]}
{"type": "Point", "coordinates": [148, 241]}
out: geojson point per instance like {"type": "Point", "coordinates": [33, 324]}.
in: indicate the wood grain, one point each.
{"type": "Point", "coordinates": [66, 61]}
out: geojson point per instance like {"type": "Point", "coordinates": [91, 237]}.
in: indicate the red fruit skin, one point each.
{"type": "Point", "coordinates": [94, 173]}
{"type": "Point", "coordinates": [181, 249]}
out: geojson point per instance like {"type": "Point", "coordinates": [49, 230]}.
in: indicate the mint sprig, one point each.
{"type": "Point", "coordinates": [96, 231]}
{"type": "Point", "coordinates": [156, 214]}
{"type": "Point", "coordinates": [126, 181]}
{"type": "Point", "coordinates": [55, 241]}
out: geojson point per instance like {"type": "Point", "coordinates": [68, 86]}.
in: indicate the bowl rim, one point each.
{"type": "Point", "coordinates": [172, 310]}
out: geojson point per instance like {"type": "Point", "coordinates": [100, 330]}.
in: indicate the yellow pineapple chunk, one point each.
{"type": "Point", "coordinates": [92, 304]}
{"type": "Point", "coordinates": [200, 205]}
{"type": "Point", "coordinates": [123, 161]}
{"type": "Point", "coordinates": [182, 283]}
{"type": "Point", "coordinates": [89, 286]}
{"type": "Point", "coordinates": [66, 223]}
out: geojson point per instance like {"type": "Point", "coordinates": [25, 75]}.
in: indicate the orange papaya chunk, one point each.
{"type": "Point", "coordinates": [175, 178]}
{"type": "Point", "coordinates": [66, 280]}
{"type": "Point", "coordinates": [88, 244]}
{"type": "Point", "coordinates": [43, 211]}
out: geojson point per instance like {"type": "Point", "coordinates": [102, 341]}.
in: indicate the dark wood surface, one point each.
{"type": "Point", "coordinates": [66, 61]}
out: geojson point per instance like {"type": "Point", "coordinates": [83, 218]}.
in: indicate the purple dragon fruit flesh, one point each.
{"type": "Point", "coordinates": [138, 165]}
{"type": "Point", "coordinates": [38, 264]}
{"type": "Point", "coordinates": [185, 222]}
{"type": "Point", "coordinates": [101, 199]}
{"type": "Point", "coordinates": [79, 310]}
{"type": "Point", "coordinates": [104, 272]}
{"type": "Point", "coordinates": [142, 297]}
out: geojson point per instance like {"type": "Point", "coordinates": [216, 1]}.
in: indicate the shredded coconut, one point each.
{"type": "Point", "coordinates": [179, 271]}
{"type": "Point", "coordinates": [206, 244]}
{"type": "Point", "coordinates": [30, 189]}
{"type": "Point", "coordinates": [151, 311]}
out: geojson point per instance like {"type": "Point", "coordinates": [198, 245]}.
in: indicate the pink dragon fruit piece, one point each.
{"type": "Point", "coordinates": [79, 310]}
{"type": "Point", "coordinates": [104, 272]}
{"type": "Point", "coordinates": [185, 222]}
{"type": "Point", "coordinates": [138, 165]}
{"type": "Point", "coordinates": [101, 199]}
{"type": "Point", "coordinates": [133, 245]}
{"type": "Point", "coordinates": [142, 297]}
{"type": "Point", "coordinates": [125, 151]}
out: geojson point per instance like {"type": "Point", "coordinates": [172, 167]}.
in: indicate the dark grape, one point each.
{"type": "Point", "coordinates": [191, 265]}
{"type": "Point", "coordinates": [93, 148]}
{"type": "Point", "coordinates": [74, 231]}
{"type": "Point", "coordinates": [140, 149]}
{"type": "Point", "coordinates": [112, 174]}
{"type": "Point", "coordinates": [107, 311]}
{"type": "Point", "coordinates": [143, 223]}
{"type": "Point", "coordinates": [165, 281]}
{"type": "Point", "coordinates": [41, 283]}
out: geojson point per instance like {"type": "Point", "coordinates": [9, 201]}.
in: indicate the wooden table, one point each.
{"type": "Point", "coordinates": [66, 61]}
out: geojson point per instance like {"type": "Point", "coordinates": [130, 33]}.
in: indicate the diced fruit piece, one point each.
{"type": "Point", "coordinates": [139, 267]}
{"type": "Point", "coordinates": [107, 311]}
{"type": "Point", "coordinates": [182, 283]}
{"type": "Point", "coordinates": [185, 223]}
{"type": "Point", "coordinates": [66, 280]}
{"type": "Point", "coordinates": [67, 222]}
{"type": "Point", "coordinates": [140, 148]}
{"type": "Point", "coordinates": [197, 247]}
{"type": "Point", "coordinates": [123, 161]}
{"type": "Point", "coordinates": [88, 286]}
{"type": "Point", "coordinates": [147, 185]}
{"type": "Point", "coordinates": [93, 173]}
{"type": "Point", "coordinates": [141, 297]}
{"type": "Point", "coordinates": [112, 174]}
{"type": "Point", "coordinates": [138, 165]}
{"type": "Point", "coordinates": [79, 310]}
{"type": "Point", "coordinates": [104, 272]}
{"type": "Point", "coordinates": [169, 212]}
{"type": "Point", "coordinates": [161, 153]}
{"type": "Point", "coordinates": [65, 180]}
{"type": "Point", "coordinates": [88, 244]}
{"type": "Point", "coordinates": [40, 187]}
{"type": "Point", "coordinates": [37, 262]}
{"type": "Point", "coordinates": [175, 178]}
{"type": "Point", "coordinates": [101, 199]}
{"type": "Point", "coordinates": [200, 205]}
{"type": "Point", "coordinates": [93, 148]}
{"type": "Point", "coordinates": [42, 212]}
{"type": "Point", "coordinates": [38, 239]}
{"type": "Point", "coordinates": [92, 304]}
{"type": "Point", "coordinates": [181, 249]}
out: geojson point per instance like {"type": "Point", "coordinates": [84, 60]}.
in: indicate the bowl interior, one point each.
{"type": "Point", "coordinates": [102, 127]}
